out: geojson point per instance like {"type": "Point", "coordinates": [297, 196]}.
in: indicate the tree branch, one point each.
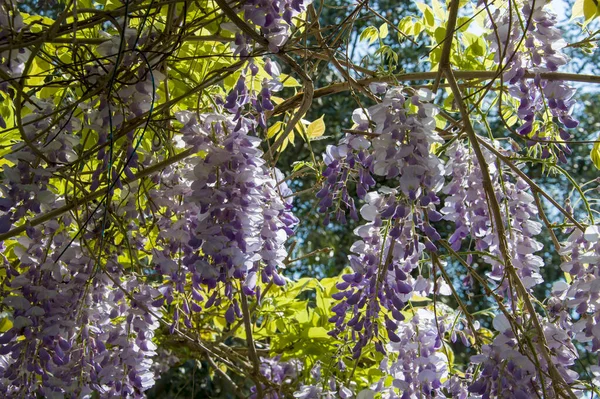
{"type": "Point", "coordinates": [502, 237]}
{"type": "Point", "coordinates": [450, 28]}
{"type": "Point", "coordinates": [407, 77]}
{"type": "Point", "coordinates": [92, 196]}
{"type": "Point", "coordinates": [250, 342]}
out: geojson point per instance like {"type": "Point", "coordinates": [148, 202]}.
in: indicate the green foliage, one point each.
{"type": "Point", "coordinates": [588, 9]}
{"type": "Point", "coordinates": [290, 321]}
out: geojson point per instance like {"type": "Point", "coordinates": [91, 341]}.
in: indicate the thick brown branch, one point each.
{"type": "Point", "coordinates": [334, 88]}
{"type": "Point", "coordinates": [450, 28]}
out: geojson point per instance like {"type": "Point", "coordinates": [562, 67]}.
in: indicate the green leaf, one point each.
{"type": "Point", "coordinates": [596, 155]}
{"type": "Point", "coordinates": [296, 166]}
{"type": "Point", "coordinates": [383, 31]}
{"type": "Point", "coordinates": [440, 34]}
{"type": "Point", "coordinates": [5, 324]}
{"type": "Point", "coordinates": [435, 56]}
{"type": "Point", "coordinates": [427, 14]}
{"type": "Point", "coordinates": [588, 9]}
{"type": "Point", "coordinates": [419, 298]}
{"type": "Point", "coordinates": [406, 26]}
{"type": "Point", "coordinates": [417, 28]}
{"type": "Point", "coordinates": [274, 129]}
{"type": "Point", "coordinates": [371, 34]}
{"type": "Point", "coordinates": [288, 81]}
{"type": "Point", "coordinates": [462, 23]}
{"type": "Point", "coordinates": [512, 120]}
{"type": "Point", "coordinates": [317, 333]}
{"type": "Point", "coordinates": [438, 10]}
{"type": "Point", "coordinates": [450, 354]}
{"type": "Point", "coordinates": [316, 128]}
{"type": "Point", "coordinates": [568, 277]}
{"type": "Point", "coordinates": [474, 43]}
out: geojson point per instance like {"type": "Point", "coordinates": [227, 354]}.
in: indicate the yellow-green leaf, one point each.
{"type": "Point", "coordinates": [596, 154]}
{"type": "Point", "coordinates": [289, 140]}
{"type": "Point", "coordinates": [317, 333]}
{"type": "Point", "coordinates": [406, 25]}
{"type": "Point", "coordinates": [5, 324]}
{"type": "Point", "coordinates": [427, 14]}
{"type": "Point", "coordinates": [419, 298]}
{"type": "Point", "coordinates": [417, 28]}
{"type": "Point", "coordinates": [438, 10]}
{"type": "Point", "coordinates": [316, 128]}
{"type": "Point", "coordinates": [588, 9]}
{"type": "Point", "coordinates": [288, 81]}
{"type": "Point", "coordinates": [274, 129]}
{"type": "Point", "coordinates": [370, 33]}
{"type": "Point", "coordinates": [568, 277]}
{"type": "Point", "coordinates": [383, 31]}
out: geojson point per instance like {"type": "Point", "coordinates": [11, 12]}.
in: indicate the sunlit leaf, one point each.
{"type": "Point", "coordinates": [316, 128]}
{"type": "Point", "coordinates": [588, 9]}
{"type": "Point", "coordinates": [596, 154]}
{"type": "Point", "coordinates": [5, 324]}
{"type": "Point", "coordinates": [383, 31]}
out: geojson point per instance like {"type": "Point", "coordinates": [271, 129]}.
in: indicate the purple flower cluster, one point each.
{"type": "Point", "coordinates": [322, 388]}
{"type": "Point", "coordinates": [541, 52]}
{"type": "Point", "coordinates": [577, 306]}
{"type": "Point", "coordinates": [11, 25]}
{"type": "Point", "coordinates": [244, 217]}
{"type": "Point", "coordinates": [25, 189]}
{"type": "Point", "coordinates": [238, 216]}
{"type": "Point", "coordinates": [75, 330]}
{"type": "Point", "coordinates": [241, 95]}
{"type": "Point", "coordinates": [398, 228]}
{"type": "Point", "coordinates": [466, 206]}
{"type": "Point", "coordinates": [80, 324]}
{"type": "Point", "coordinates": [137, 99]}
{"type": "Point", "coordinates": [346, 161]}
{"type": "Point", "coordinates": [280, 374]}
{"type": "Point", "coordinates": [236, 209]}
{"type": "Point", "coordinates": [507, 368]}
{"type": "Point", "coordinates": [415, 361]}
{"type": "Point", "coordinates": [275, 19]}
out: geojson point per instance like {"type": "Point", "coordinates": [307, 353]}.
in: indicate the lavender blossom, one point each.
{"type": "Point", "coordinates": [541, 52]}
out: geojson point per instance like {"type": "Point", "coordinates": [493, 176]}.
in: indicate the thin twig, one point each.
{"type": "Point", "coordinates": [250, 342]}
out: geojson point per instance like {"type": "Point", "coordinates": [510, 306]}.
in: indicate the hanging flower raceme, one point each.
{"type": "Point", "coordinates": [81, 323]}
{"type": "Point", "coordinates": [244, 218]}
{"type": "Point", "coordinates": [348, 161]}
{"type": "Point", "coordinates": [239, 217]}
{"type": "Point", "coordinates": [274, 18]}
{"type": "Point", "coordinates": [399, 219]}
{"type": "Point", "coordinates": [510, 367]}
{"type": "Point", "coordinates": [326, 388]}
{"type": "Point", "coordinates": [577, 305]}
{"type": "Point", "coordinates": [541, 51]}
{"type": "Point", "coordinates": [416, 360]}
{"type": "Point", "coordinates": [12, 61]}
{"type": "Point", "coordinates": [466, 206]}
{"type": "Point", "coordinates": [25, 189]}
{"type": "Point", "coordinates": [77, 329]}
{"type": "Point", "coordinates": [282, 374]}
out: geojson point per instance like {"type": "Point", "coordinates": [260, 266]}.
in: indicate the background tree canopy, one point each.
{"type": "Point", "coordinates": [296, 199]}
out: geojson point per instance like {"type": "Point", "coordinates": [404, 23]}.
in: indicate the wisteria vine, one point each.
{"type": "Point", "coordinates": [146, 215]}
